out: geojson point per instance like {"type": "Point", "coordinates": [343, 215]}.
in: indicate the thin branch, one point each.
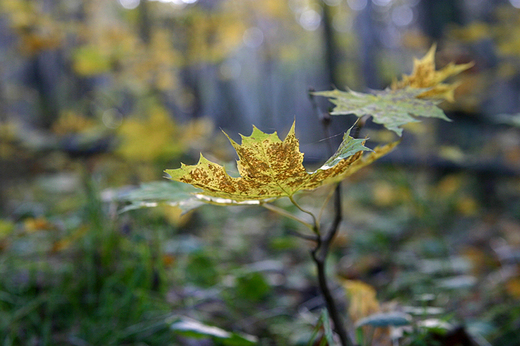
{"type": "Point", "coordinates": [338, 215]}
{"type": "Point", "coordinates": [335, 316]}
{"type": "Point", "coordinates": [316, 226]}
{"type": "Point", "coordinates": [325, 203]}
{"type": "Point", "coordinates": [319, 255]}
{"type": "Point", "coordinates": [282, 212]}
{"type": "Point", "coordinates": [303, 236]}
{"type": "Point", "coordinates": [328, 237]}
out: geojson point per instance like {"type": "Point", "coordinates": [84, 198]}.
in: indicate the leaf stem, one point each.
{"type": "Point", "coordinates": [316, 226]}
{"type": "Point", "coordinates": [282, 212]}
{"type": "Point", "coordinates": [325, 203]}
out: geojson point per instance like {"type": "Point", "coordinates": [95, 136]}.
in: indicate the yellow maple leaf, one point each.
{"type": "Point", "coordinates": [271, 168]}
{"type": "Point", "coordinates": [424, 75]}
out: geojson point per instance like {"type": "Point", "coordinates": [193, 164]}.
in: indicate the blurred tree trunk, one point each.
{"type": "Point", "coordinates": [231, 110]}
{"type": "Point", "coordinates": [331, 50]}
{"type": "Point", "coordinates": [266, 114]}
{"type": "Point", "coordinates": [368, 38]}
{"type": "Point", "coordinates": [435, 14]}
{"type": "Point", "coordinates": [42, 79]}
{"type": "Point", "coordinates": [192, 69]}
{"type": "Point", "coordinates": [144, 22]}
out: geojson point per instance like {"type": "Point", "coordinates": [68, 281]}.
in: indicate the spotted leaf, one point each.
{"type": "Point", "coordinates": [271, 168]}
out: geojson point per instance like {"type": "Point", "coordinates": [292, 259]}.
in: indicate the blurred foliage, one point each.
{"type": "Point", "coordinates": [137, 143]}
{"type": "Point", "coordinates": [96, 98]}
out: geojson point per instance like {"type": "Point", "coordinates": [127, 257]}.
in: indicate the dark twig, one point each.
{"type": "Point", "coordinates": [303, 236]}
{"type": "Point", "coordinates": [319, 255]}
{"type": "Point", "coordinates": [321, 251]}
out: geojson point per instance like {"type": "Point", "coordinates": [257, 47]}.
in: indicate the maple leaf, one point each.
{"type": "Point", "coordinates": [271, 168]}
{"type": "Point", "coordinates": [425, 76]}
{"type": "Point", "coordinates": [391, 108]}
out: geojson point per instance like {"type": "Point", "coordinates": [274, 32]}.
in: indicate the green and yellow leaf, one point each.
{"type": "Point", "coordinates": [424, 76]}
{"type": "Point", "coordinates": [271, 168]}
{"type": "Point", "coordinates": [391, 108]}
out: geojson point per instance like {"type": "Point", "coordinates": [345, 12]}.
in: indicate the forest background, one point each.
{"type": "Point", "coordinates": [99, 97]}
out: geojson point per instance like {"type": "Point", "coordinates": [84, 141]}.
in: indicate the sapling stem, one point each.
{"type": "Point", "coordinates": [319, 255]}
{"type": "Point", "coordinates": [320, 252]}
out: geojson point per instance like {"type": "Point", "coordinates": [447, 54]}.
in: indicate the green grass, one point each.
{"type": "Point", "coordinates": [103, 290]}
